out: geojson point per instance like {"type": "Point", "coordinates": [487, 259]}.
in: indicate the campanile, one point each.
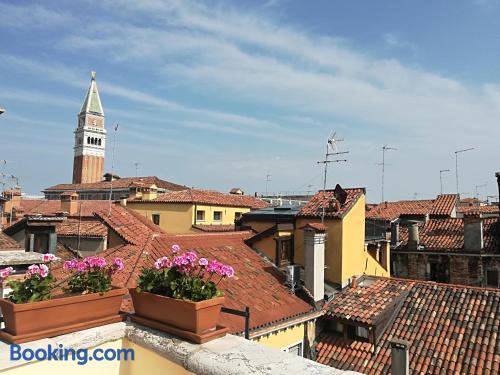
{"type": "Point", "coordinates": [90, 138]}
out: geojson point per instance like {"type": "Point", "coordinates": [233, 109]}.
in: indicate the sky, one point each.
{"type": "Point", "coordinates": [219, 94]}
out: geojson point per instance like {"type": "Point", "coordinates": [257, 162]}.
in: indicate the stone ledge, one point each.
{"type": "Point", "coordinates": [224, 356]}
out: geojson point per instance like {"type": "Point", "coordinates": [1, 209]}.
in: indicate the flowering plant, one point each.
{"type": "Point", "coordinates": [37, 283]}
{"type": "Point", "coordinates": [184, 276]}
{"type": "Point", "coordinates": [91, 275]}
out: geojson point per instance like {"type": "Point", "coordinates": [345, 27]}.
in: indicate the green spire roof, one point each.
{"type": "Point", "coordinates": [92, 101]}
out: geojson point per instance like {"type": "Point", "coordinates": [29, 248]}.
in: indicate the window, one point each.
{"type": "Point", "coordinates": [296, 349]}
{"type": "Point", "coordinates": [156, 218]}
{"type": "Point", "coordinates": [237, 215]}
{"type": "Point", "coordinates": [492, 278]}
{"type": "Point", "coordinates": [88, 140]}
{"type": "Point", "coordinates": [337, 327]}
{"type": "Point", "coordinates": [217, 215]}
{"type": "Point", "coordinates": [362, 332]}
{"type": "Point", "coordinates": [200, 215]}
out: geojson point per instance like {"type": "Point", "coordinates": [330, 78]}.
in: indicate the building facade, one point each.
{"type": "Point", "coordinates": [90, 138]}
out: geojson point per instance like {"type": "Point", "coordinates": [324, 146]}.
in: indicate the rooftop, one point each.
{"type": "Point", "coordinates": [208, 197]}
{"type": "Point", "coordinates": [258, 284]}
{"type": "Point", "coordinates": [119, 183]}
{"type": "Point", "coordinates": [443, 205]}
{"type": "Point", "coordinates": [336, 203]}
{"type": "Point", "coordinates": [7, 243]}
{"type": "Point", "coordinates": [450, 328]}
{"type": "Point", "coordinates": [447, 235]}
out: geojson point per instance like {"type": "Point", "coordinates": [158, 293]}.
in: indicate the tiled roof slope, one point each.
{"type": "Point", "coordinates": [214, 198]}
{"type": "Point", "coordinates": [335, 205]}
{"type": "Point", "coordinates": [447, 235]}
{"type": "Point", "coordinates": [451, 330]}
{"type": "Point", "coordinates": [490, 209]}
{"type": "Point", "coordinates": [121, 183]}
{"type": "Point", "coordinates": [365, 304]}
{"type": "Point", "coordinates": [443, 205]}
{"type": "Point", "coordinates": [7, 243]}
{"type": "Point", "coordinates": [257, 284]}
{"type": "Point", "coordinates": [85, 228]}
{"type": "Point", "coordinates": [50, 207]}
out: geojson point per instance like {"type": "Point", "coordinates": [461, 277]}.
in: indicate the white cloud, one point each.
{"type": "Point", "coordinates": [32, 17]}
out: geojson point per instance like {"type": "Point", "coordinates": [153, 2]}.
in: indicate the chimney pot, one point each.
{"type": "Point", "coordinates": [399, 357]}
{"type": "Point", "coordinates": [354, 282]}
{"type": "Point", "coordinates": [473, 232]}
{"type": "Point", "coordinates": [395, 233]}
{"type": "Point", "coordinates": [314, 265]}
{"type": "Point", "coordinates": [413, 237]}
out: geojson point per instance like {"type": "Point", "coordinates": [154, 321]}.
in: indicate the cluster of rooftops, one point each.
{"type": "Point", "coordinates": [449, 328]}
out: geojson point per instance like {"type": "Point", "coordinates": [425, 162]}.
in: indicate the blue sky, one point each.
{"type": "Point", "coordinates": [218, 94]}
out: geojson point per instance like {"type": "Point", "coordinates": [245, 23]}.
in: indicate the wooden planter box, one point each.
{"type": "Point", "coordinates": [32, 321]}
{"type": "Point", "coordinates": [195, 321]}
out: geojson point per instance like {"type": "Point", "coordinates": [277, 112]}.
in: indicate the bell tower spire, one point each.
{"type": "Point", "coordinates": [90, 138]}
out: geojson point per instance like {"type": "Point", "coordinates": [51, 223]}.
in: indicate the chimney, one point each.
{"type": "Point", "coordinates": [150, 193]}
{"type": "Point", "coordinates": [399, 357]}
{"type": "Point", "coordinates": [354, 282]}
{"type": "Point", "coordinates": [314, 249]}
{"type": "Point", "coordinates": [14, 199]}
{"type": "Point", "coordinates": [123, 201]}
{"type": "Point", "coordinates": [473, 232]}
{"type": "Point", "coordinates": [413, 239]}
{"type": "Point", "coordinates": [69, 203]}
{"type": "Point", "coordinates": [395, 233]}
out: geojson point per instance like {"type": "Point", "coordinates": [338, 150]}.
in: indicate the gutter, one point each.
{"type": "Point", "coordinates": [302, 319]}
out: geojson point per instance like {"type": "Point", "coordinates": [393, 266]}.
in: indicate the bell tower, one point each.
{"type": "Point", "coordinates": [90, 138]}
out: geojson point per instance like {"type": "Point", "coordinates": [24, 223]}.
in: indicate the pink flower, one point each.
{"type": "Point", "coordinates": [82, 266]}
{"type": "Point", "coordinates": [191, 256]}
{"type": "Point", "coordinates": [163, 262]}
{"type": "Point", "coordinates": [175, 249]}
{"type": "Point", "coordinates": [118, 264]}
{"type": "Point", "coordinates": [6, 272]}
{"type": "Point", "coordinates": [158, 264]}
{"type": "Point", "coordinates": [203, 262]}
{"type": "Point", "coordinates": [44, 270]}
{"type": "Point", "coordinates": [33, 270]}
{"type": "Point", "coordinates": [227, 271]}
{"type": "Point", "coordinates": [49, 257]}
{"type": "Point", "coordinates": [214, 267]}
{"type": "Point", "coordinates": [70, 264]}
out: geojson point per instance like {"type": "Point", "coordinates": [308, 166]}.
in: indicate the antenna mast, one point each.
{"type": "Point", "coordinates": [268, 179]}
{"type": "Point", "coordinates": [384, 149]}
{"type": "Point", "coordinates": [331, 150]}
{"type": "Point", "coordinates": [136, 165]}
{"type": "Point", "coordinates": [112, 170]}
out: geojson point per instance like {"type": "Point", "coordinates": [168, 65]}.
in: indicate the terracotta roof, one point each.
{"type": "Point", "coordinates": [337, 202]}
{"type": "Point", "coordinates": [364, 304]}
{"type": "Point", "coordinates": [121, 183]}
{"type": "Point", "coordinates": [7, 243]}
{"type": "Point", "coordinates": [214, 198]}
{"type": "Point", "coordinates": [447, 235]}
{"type": "Point", "coordinates": [85, 227]}
{"type": "Point", "coordinates": [215, 228]}
{"type": "Point", "coordinates": [451, 330]}
{"type": "Point", "coordinates": [319, 227]}
{"type": "Point", "coordinates": [50, 207]}
{"type": "Point", "coordinates": [489, 209]}
{"type": "Point", "coordinates": [443, 205]}
{"type": "Point", "coordinates": [257, 284]}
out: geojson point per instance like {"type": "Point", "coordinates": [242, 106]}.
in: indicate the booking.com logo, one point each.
{"type": "Point", "coordinates": [60, 353]}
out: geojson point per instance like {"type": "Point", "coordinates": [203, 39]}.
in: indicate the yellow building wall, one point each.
{"type": "Point", "coordinates": [175, 218]}
{"type": "Point", "coordinates": [228, 214]}
{"type": "Point", "coordinates": [283, 338]}
{"type": "Point", "coordinates": [178, 218]}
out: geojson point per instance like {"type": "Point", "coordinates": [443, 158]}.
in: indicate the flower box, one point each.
{"type": "Point", "coordinates": [31, 321]}
{"type": "Point", "coordinates": [196, 317]}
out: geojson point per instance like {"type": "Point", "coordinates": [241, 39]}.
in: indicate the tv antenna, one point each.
{"type": "Point", "coordinates": [136, 165]}
{"type": "Point", "coordinates": [331, 150]}
{"type": "Point", "coordinates": [477, 189]}
{"type": "Point", "coordinates": [441, 178]}
{"type": "Point", "coordinates": [385, 148]}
